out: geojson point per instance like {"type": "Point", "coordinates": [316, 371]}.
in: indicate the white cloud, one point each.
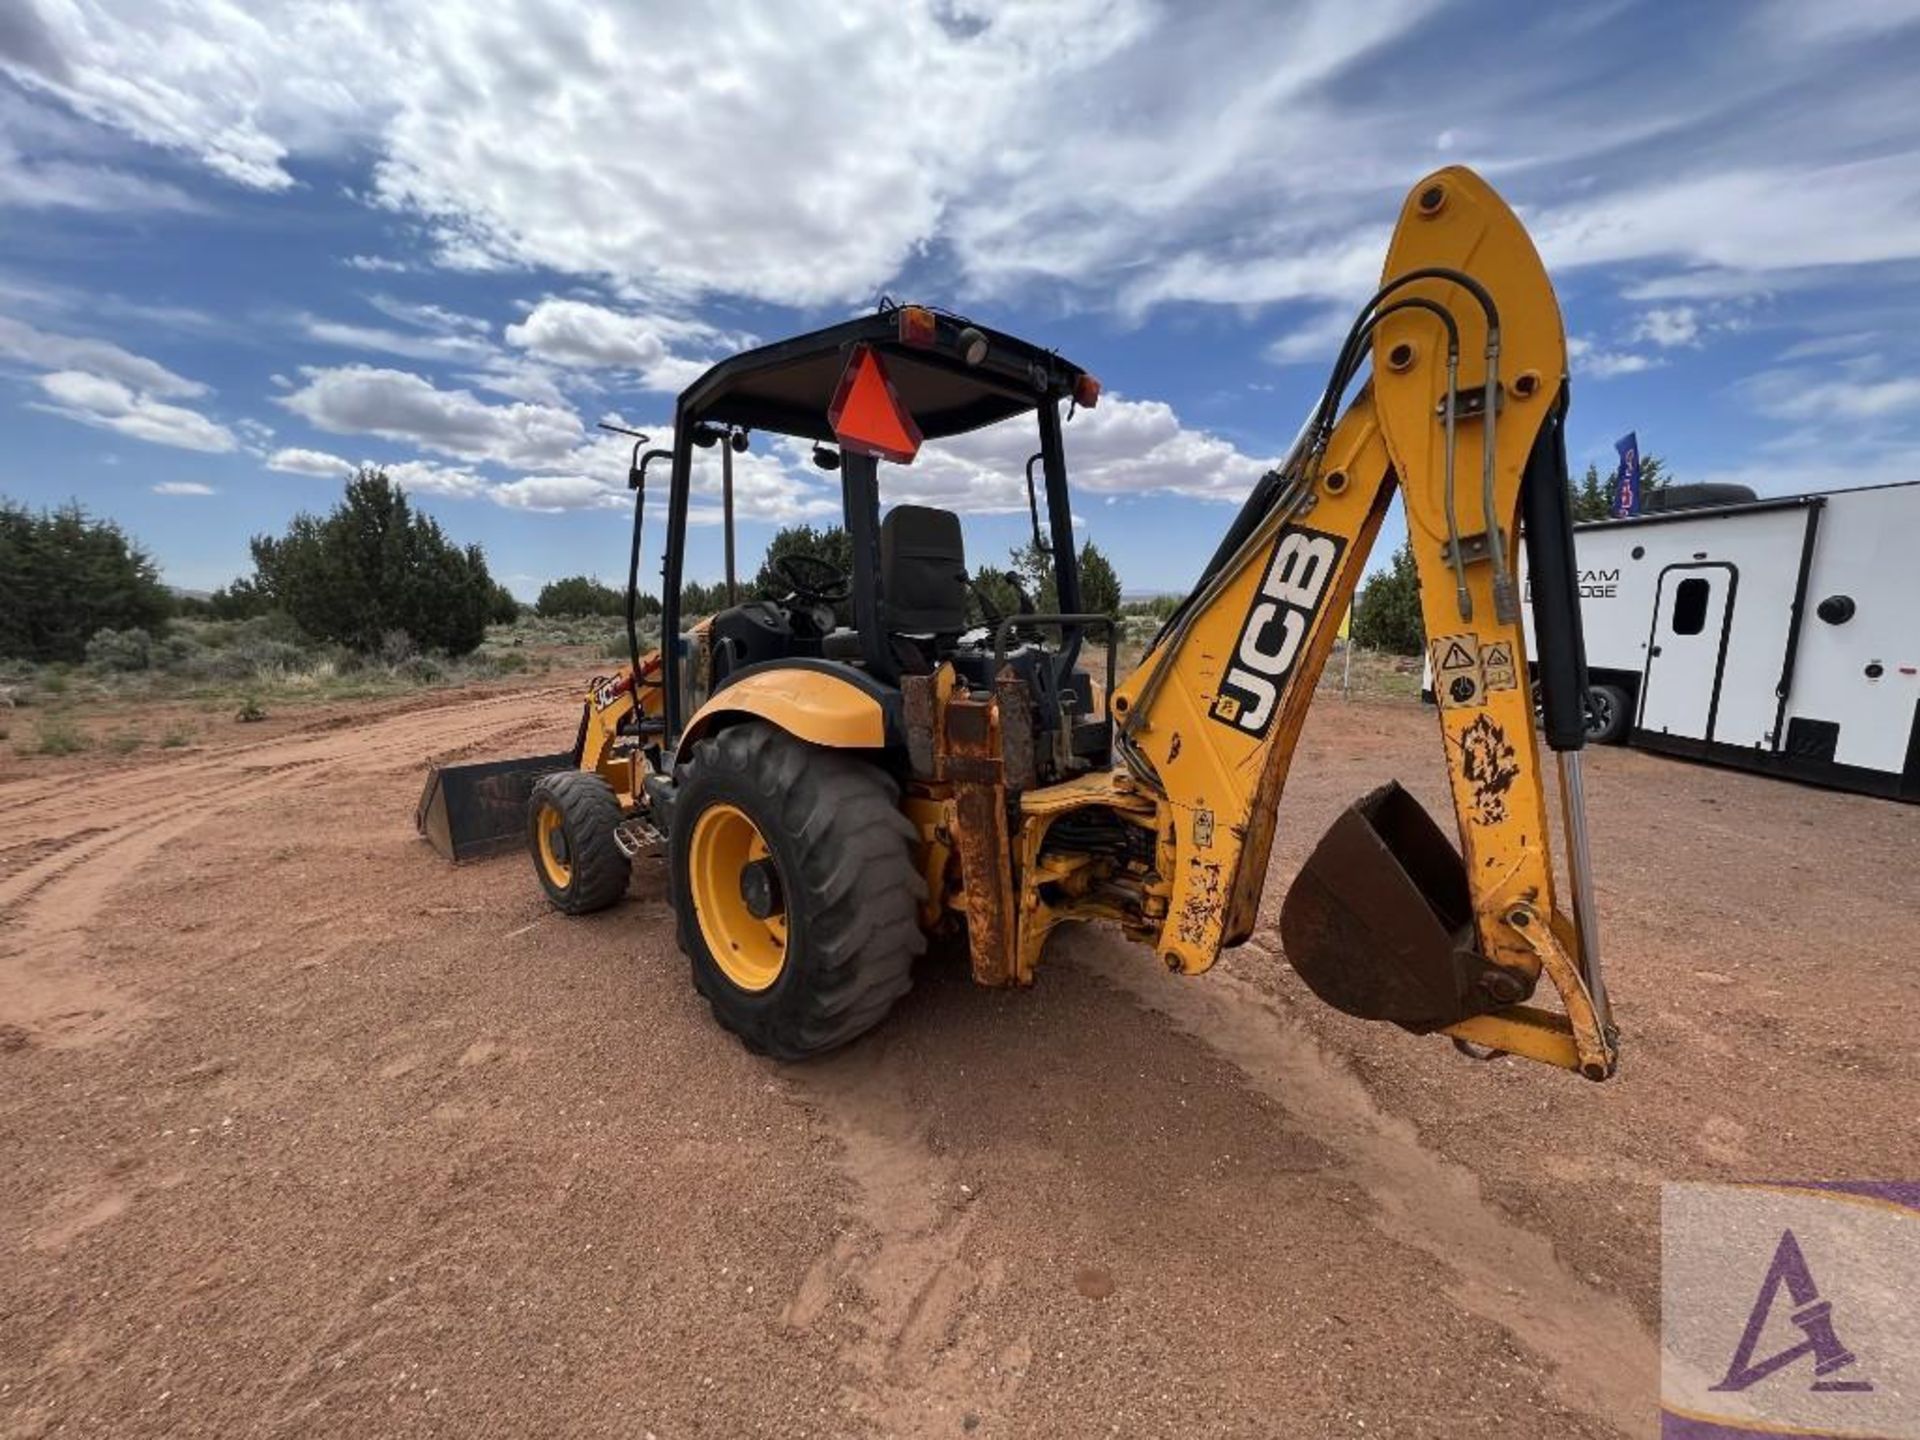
{"type": "Point", "coordinates": [1316, 342]}
{"type": "Point", "coordinates": [1585, 358]}
{"type": "Point", "coordinates": [1833, 21]}
{"type": "Point", "coordinates": [295, 461]}
{"type": "Point", "coordinates": [44, 351]}
{"type": "Point", "coordinates": [1134, 153]}
{"type": "Point", "coordinates": [518, 134]}
{"type": "Point", "coordinates": [33, 183]}
{"type": "Point", "coordinates": [409, 344]}
{"type": "Point", "coordinates": [51, 161]}
{"type": "Point", "coordinates": [421, 476]}
{"type": "Point", "coordinates": [1678, 325]}
{"type": "Point", "coordinates": [105, 403]}
{"type": "Point", "coordinates": [430, 317]}
{"type": "Point", "coordinates": [1851, 342]}
{"type": "Point", "coordinates": [552, 493]}
{"type": "Point", "coordinates": [577, 334]}
{"type": "Point", "coordinates": [399, 406]}
{"type": "Point", "coordinates": [1802, 395]}
{"type": "Point", "coordinates": [183, 487]}
{"type": "Point", "coordinates": [1754, 219]}
{"type": "Point", "coordinates": [1122, 447]}
{"type": "Point", "coordinates": [424, 477]}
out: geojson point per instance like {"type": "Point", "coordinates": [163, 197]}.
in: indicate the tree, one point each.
{"type": "Point", "coordinates": [65, 575]}
{"type": "Point", "coordinates": [1031, 568]}
{"type": "Point", "coordinates": [240, 600]}
{"type": "Point", "coordinates": [579, 595]}
{"type": "Point", "coordinates": [697, 600]}
{"type": "Point", "coordinates": [831, 545]}
{"type": "Point", "coordinates": [374, 566]}
{"type": "Point", "coordinates": [1099, 582]}
{"type": "Point", "coordinates": [502, 607]}
{"type": "Point", "coordinates": [1590, 494]}
{"type": "Point", "coordinates": [1387, 614]}
{"type": "Point", "coordinates": [992, 596]}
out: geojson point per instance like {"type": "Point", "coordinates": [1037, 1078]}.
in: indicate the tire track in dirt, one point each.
{"type": "Point", "coordinates": [918, 1343]}
{"type": "Point", "coordinates": [30, 800]}
{"type": "Point", "coordinates": [69, 874]}
{"type": "Point", "coordinates": [1604, 1361]}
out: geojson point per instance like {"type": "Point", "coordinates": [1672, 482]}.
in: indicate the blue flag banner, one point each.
{"type": "Point", "coordinates": [1624, 497]}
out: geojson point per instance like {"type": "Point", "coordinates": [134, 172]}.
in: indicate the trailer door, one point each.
{"type": "Point", "coordinates": [1688, 649]}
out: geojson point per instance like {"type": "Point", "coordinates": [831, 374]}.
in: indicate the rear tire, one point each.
{"type": "Point", "coordinates": [571, 819]}
{"type": "Point", "coordinates": [1609, 713]}
{"type": "Point", "coordinates": [820, 942]}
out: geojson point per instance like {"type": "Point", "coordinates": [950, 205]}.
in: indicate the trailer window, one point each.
{"type": "Point", "coordinates": [1690, 606]}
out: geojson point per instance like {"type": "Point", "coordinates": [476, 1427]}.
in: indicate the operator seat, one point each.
{"type": "Point", "coordinates": [923, 590]}
{"type": "Point", "coordinates": [923, 584]}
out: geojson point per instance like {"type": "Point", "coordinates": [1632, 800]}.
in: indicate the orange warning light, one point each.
{"type": "Point", "coordinates": [867, 416]}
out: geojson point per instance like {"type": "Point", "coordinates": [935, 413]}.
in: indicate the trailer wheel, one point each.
{"type": "Point", "coordinates": [571, 817]}
{"type": "Point", "coordinates": [1609, 712]}
{"type": "Point", "coordinates": [795, 889]}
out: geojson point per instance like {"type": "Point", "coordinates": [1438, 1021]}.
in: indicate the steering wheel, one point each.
{"type": "Point", "coordinates": [814, 580]}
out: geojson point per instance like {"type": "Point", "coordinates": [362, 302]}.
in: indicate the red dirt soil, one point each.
{"type": "Point", "coordinates": [308, 1133]}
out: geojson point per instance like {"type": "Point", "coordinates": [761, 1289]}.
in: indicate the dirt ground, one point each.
{"type": "Point", "coordinates": [307, 1133]}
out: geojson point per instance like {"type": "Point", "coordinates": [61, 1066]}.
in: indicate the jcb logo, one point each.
{"type": "Point", "coordinates": [1278, 624]}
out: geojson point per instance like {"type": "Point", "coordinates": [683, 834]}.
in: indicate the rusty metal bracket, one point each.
{"type": "Point", "coordinates": [973, 763]}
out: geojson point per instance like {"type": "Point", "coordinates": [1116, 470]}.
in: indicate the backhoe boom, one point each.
{"type": "Point", "coordinates": [1385, 921]}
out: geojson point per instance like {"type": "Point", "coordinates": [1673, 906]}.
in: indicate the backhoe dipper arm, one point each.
{"type": "Point", "coordinates": [1386, 921]}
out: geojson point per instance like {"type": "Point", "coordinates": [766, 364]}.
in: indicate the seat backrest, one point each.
{"type": "Point", "coordinates": [923, 571]}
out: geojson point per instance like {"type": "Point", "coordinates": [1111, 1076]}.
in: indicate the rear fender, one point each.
{"type": "Point", "coordinates": [818, 701]}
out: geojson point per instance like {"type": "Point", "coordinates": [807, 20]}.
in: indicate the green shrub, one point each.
{"type": "Point", "coordinates": [251, 710]}
{"type": "Point", "coordinates": [1158, 607]}
{"type": "Point", "coordinates": [421, 669]}
{"type": "Point", "coordinates": [120, 650]}
{"type": "Point", "coordinates": [125, 742]}
{"type": "Point", "coordinates": [579, 595]}
{"type": "Point", "coordinates": [58, 735]}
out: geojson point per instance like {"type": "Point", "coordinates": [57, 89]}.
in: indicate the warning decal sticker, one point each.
{"type": "Point", "coordinates": [1496, 666]}
{"type": "Point", "coordinates": [1456, 669]}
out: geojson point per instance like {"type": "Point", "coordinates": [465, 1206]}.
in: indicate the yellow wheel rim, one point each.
{"type": "Point", "coordinates": [749, 949]}
{"type": "Point", "coordinates": [555, 856]}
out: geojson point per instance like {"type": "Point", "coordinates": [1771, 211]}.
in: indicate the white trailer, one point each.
{"type": "Point", "coordinates": [1780, 635]}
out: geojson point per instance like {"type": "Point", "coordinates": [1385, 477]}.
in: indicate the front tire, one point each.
{"type": "Point", "coordinates": [571, 819]}
{"type": "Point", "coordinates": [795, 888]}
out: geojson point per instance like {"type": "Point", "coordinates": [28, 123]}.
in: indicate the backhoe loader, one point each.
{"type": "Point", "coordinates": [830, 795]}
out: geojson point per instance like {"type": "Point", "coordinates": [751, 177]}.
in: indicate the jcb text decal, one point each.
{"type": "Point", "coordinates": [1284, 609]}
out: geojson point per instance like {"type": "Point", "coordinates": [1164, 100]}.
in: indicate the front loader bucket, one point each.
{"type": "Point", "coordinates": [1380, 921]}
{"type": "Point", "coordinates": [467, 811]}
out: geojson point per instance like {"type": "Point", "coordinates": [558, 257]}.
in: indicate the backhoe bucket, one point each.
{"type": "Point", "coordinates": [1380, 921]}
{"type": "Point", "coordinates": [467, 811]}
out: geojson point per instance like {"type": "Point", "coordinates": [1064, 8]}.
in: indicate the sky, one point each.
{"type": "Point", "coordinates": [247, 247]}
